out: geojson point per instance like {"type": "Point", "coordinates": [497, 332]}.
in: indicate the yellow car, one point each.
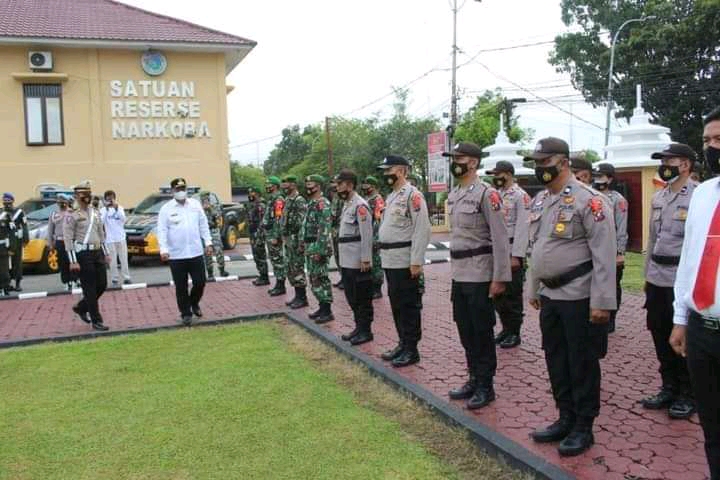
{"type": "Point", "coordinates": [38, 254]}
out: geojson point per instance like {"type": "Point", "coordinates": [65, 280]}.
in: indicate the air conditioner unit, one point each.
{"type": "Point", "coordinates": [40, 60]}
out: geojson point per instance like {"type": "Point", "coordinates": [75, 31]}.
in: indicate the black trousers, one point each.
{"type": "Point", "coordinates": [510, 304]}
{"type": "Point", "coordinates": [16, 267]}
{"type": "Point", "coordinates": [4, 269]}
{"type": "Point", "coordinates": [673, 368]}
{"type": "Point", "coordinates": [66, 275]}
{"type": "Point", "coordinates": [474, 316]}
{"type": "Point", "coordinates": [181, 269]}
{"type": "Point", "coordinates": [406, 305]}
{"type": "Point", "coordinates": [703, 360]}
{"type": "Point", "coordinates": [358, 292]}
{"type": "Point", "coordinates": [618, 291]}
{"type": "Point", "coordinates": [93, 280]}
{"type": "Point", "coordinates": [573, 347]}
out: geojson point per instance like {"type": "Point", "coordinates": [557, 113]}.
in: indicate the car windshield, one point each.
{"type": "Point", "coordinates": [151, 204]}
{"type": "Point", "coordinates": [43, 214]}
{"type": "Point", "coordinates": [29, 206]}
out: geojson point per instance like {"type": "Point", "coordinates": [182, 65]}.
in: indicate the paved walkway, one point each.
{"type": "Point", "coordinates": [631, 443]}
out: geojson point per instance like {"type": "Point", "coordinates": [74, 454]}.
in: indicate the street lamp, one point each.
{"type": "Point", "coordinates": [610, 72]}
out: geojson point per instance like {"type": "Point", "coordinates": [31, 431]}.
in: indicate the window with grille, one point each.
{"type": "Point", "coordinates": [43, 114]}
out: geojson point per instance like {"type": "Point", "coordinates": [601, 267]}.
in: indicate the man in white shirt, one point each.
{"type": "Point", "coordinates": [696, 334]}
{"type": "Point", "coordinates": [182, 232]}
{"type": "Point", "coordinates": [113, 217]}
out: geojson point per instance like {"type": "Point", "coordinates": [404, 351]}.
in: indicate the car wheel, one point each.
{"type": "Point", "coordinates": [50, 262]}
{"type": "Point", "coordinates": [231, 238]}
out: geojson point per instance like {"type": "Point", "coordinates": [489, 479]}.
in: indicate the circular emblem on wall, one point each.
{"type": "Point", "coordinates": [153, 63]}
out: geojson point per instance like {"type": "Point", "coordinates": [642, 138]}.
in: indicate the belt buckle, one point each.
{"type": "Point", "coordinates": [711, 323]}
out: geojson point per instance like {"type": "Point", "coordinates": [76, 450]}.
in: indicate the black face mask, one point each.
{"type": "Point", "coordinates": [251, 198]}
{"type": "Point", "coordinates": [391, 179]}
{"type": "Point", "coordinates": [712, 159]}
{"type": "Point", "coordinates": [499, 182]}
{"type": "Point", "coordinates": [546, 175]}
{"type": "Point", "coordinates": [668, 172]}
{"type": "Point", "coordinates": [343, 195]}
{"type": "Point", "coordinates": [7, 206]}
{"type": "Point", "coordinates": [600, 185]}
{"type": "Point", "coordinates": [458, 169]}
{"type": "Point", "coordinates": [311, 191]}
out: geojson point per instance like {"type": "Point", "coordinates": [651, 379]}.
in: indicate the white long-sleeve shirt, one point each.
{"type": "Point", "coordinates": [182, 229]}
{"type": "Point", "coordinates": [699, 216]}
{"type": "Point", "coordinates": [114, 221]}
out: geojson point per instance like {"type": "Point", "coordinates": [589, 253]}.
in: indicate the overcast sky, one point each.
{"type": "Point", "coordinates": [334, 57]}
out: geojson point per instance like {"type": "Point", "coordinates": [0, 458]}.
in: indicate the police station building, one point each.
{"type": "Point", "coordinates": [99, 90]}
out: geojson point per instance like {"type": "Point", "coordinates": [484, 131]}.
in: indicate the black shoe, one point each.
{"type": "Point", "coordinates": [682, 408]}
{"type": "Point", "coordinates": [362, 337]}
{"type": "Point", "coordinates": [186, 320]}
{"type": "Point", "coordinates": [481, 398]}
{"type": "Point", "coordinates": [377, 293]}
{"type": "Point", "coordinates": [324, 318]}
{"type": "Point", "coordinates": [406, 358]}
{"type": "Point", "coordinates": [501, 336]}
{"type": "Point", "coordinates": [17, 287]}
{"type": "Point", "coordinates": [611, 326]}
{"type": "Point", "coordinates": [99, 326]}
{"type": "Point", "coordinates": [555, 432]}
{"type": "Point", "coordinates": [339, 285]}
{"type": "Point", "coordinates": [278, 289]}
{"type": "Point", "coordinates": [224, 273]}
{"type": "Point", "coordinates": [300, 299]}
{"type": "Point", "coordinates": [662, 399]}
{"type": "Point", "coordinates": [394, 353]}
{"type": "Point", "coordinates": [464, 392]}
{"type": "Point", "coordinates": [196, 311]}
{"type": "Point", "coordinates": [315, 314]}
{"type": "Point", "coordinates": [510, 341]}
{"type": "Point", "coordinates": [577, 442]}
{"type": "Point", "coordinates": [127, 281]}
{"type": "Point", "coordinates": [347, 336]}
{"type": "Point", "coordinates": [83, 315]}
{"type": "Point", "coordinates": [211, 278]}
{"type": "Point", "coordinates": [261, 281]}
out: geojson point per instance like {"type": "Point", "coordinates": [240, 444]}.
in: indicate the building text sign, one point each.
{"type": "Point", "coordinates": [150, 109]}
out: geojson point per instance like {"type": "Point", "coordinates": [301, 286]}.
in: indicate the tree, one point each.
{"type": "Point", "coordinates": [247, 176]}
{"type": "Point", "coordinates": [481, 124]}
{"type": "Point", "coordinates": [292, 148]}
{"type": "Point", "coordinates": [675, 58]}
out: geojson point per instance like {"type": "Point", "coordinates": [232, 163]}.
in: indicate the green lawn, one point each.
{"type": "Point", "coordinates": [210, 403]}
{"type": "Point", "coordinates": [633, 278]}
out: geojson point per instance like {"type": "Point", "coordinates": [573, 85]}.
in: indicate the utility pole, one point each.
{"type": "Point", "coordinates": [453, 97]}
{"type": "Point", "coordinates": [328, 140]}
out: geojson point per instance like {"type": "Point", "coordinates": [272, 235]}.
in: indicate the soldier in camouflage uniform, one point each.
{"type": "Point", "coordinates": [336, 207]}
{"type": "Point", "coordinates": [215, 222]}
{"type": "Point", "coordinates": [257, 237]}
{"type": "Point", "coordinates": [315, 241]}
{"type": "Point", "coordinates": [292, 219]}
{"type": "Point", "coordinates": [273, 233]}
{"type": "Point", "coordinates": [377, 206]}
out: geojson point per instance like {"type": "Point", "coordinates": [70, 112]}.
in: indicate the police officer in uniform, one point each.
{"type": "Point", "coordinates": [516, 208]}
{"type": "Point", "coordinates": [5, 234]}
{"type": "Point", "coordinates": [603, 179]}
{"type": "Point", "coordinates": [55, 238]}
{"type": "Point", "coordinates": [355, 239]}
{"type": "Point", "coordinates": [273, 233]}
{"type": "Point", "coordinates": [316, 244]}
{"type": "Point", "coordinates": [404, 234]}
{"type": "Point", "coordinates": [581, 168]}
{"type": "Point", "coordinates": [572, 282]}
{"type": "Point", "coordinates": [292, 219]}
{"type": "Point", "coordinates": [336, 206]}
{"type": "Point", "coordinates": [84, 236]}
{"type": "Point", "coordinates": [377, 206]}
{"type": "Point", "coordinates": [480, 267]}
{"type": "Point", "coordinates": [665, 240]}
{"type": "Point", "coordinates": [257, 237]}
{"type": "Point", "coordinates": [18, 239]}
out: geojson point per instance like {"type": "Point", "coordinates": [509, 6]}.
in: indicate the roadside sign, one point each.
{"type": "Point", "coordinates": [437, 164]}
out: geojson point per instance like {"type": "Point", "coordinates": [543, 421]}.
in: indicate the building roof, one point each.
{"type": "Point", "coordinates": [103, 20]}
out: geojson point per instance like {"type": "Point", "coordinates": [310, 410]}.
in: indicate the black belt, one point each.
{"type": "Point", "coordinates": [473, 252]}
{"type": "Point", "coordinates": [393, 245]}
{"type": "Point", "coordinates": [567, 277]}
{"type": "Point", "coordinates": [356, 238]}
{"type": "Point", "coordinates": [511, 240]}
{"type": "Point", "coordinates": [705, 322]}
{"type": "Point", "coordinates": [664, 260]}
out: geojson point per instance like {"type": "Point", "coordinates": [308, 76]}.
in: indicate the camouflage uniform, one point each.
{"type": "Point", "coordinates": [377, 206]}
{"type": "Point", "coordinates": [257, 237]}
{"type": "Point", "coordinates": [336, 207]}
{"type": "Point", "coordinates": [215, 222]}
{"type": "Point", "coordinates": [315, 235]}
{"type": "Point", "coordinates": [292, 219]}
{"type": "Point", "coordinates": [273, 233]}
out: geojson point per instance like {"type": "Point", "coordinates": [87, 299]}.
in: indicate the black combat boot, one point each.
{"type": "Point", "coordinates": [663, 399]}
{"type": "Point", "coordinates": [347, 336]}
{"type": "Point", "coordinates": [409, 356]}
{"type": "Point", "coordinates": [394, 353]}
{"type": "Point", "coordinates": [579, 439]}
{"type": "Point", "coordinates": [83, 315]}
{"type": "Point", "coordinates": [300, 300]}
{"type": "Point", "coordinates": [224, 273]}
{"type": "Point", "coordinates": [557, 431]}
{"type": "Point", "coordinates": [278, 289]}
{"type": "Point", "coordinates": [316, 313]}
{"type": "Point", "coordinates": [17, 286]}
{"type": "Point", "coordinates": [364, 335]}
{"type": "Point", "coordinates": [325, 315]}
{"type": "Point", "coordinates": [483, 395]}
{"type": "Point", "coordinates": [261, 281]}
{"type": "Point", "coordinates": [377, 292]}
{"type": "Point", "coordinates": [512, 340]}
{"type": "Point", "coordinates": [466, 391]}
